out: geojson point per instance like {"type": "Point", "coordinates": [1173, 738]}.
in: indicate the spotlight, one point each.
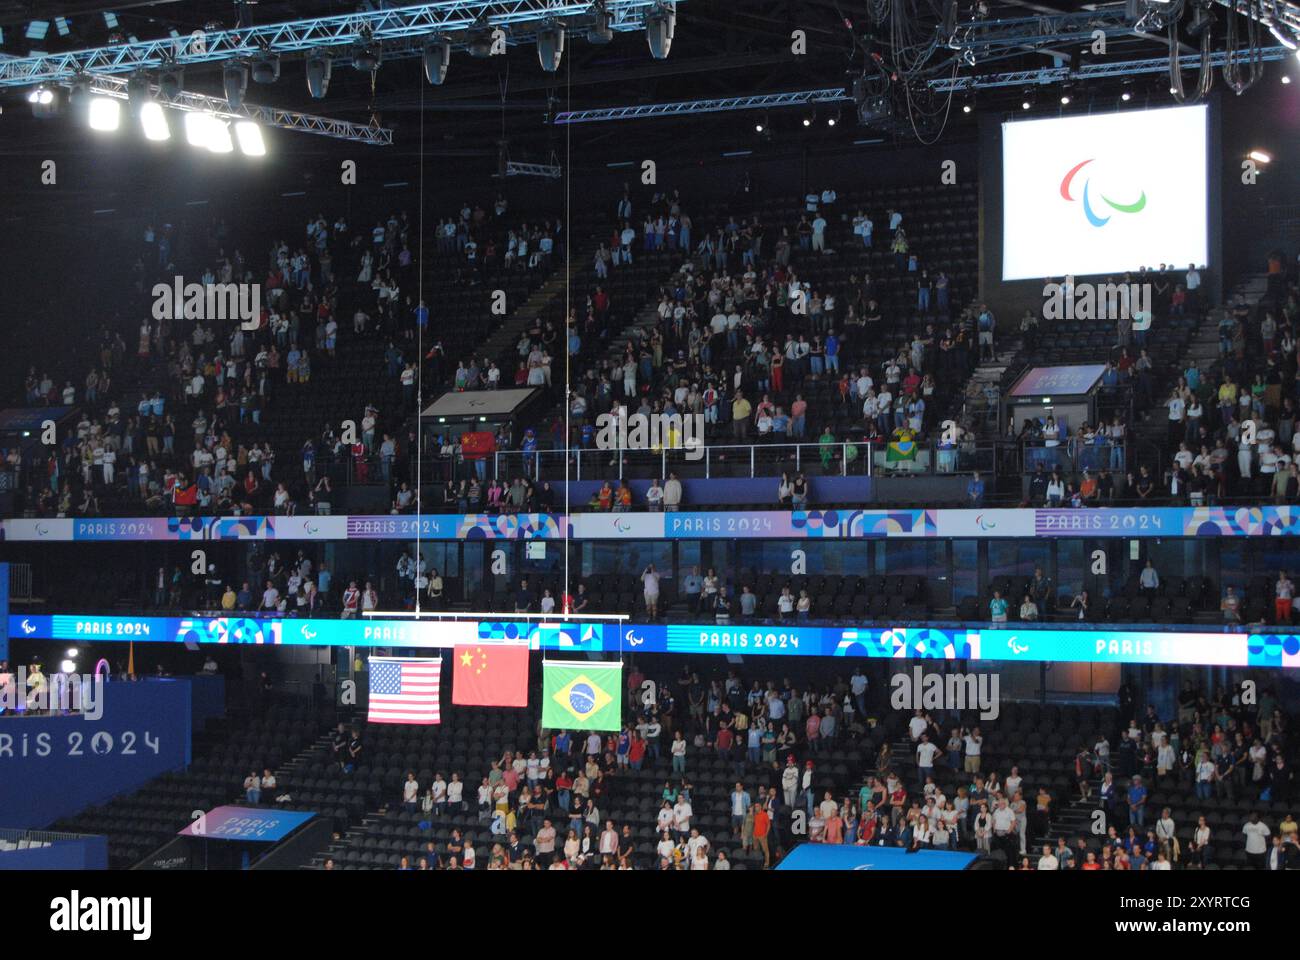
{"type": "Point", "coordinates": [68, 666]}
{"type": "Point", "coordinates": [807, 120]}
{"type": "Point", "coordinates": [1065, 99]}
{"type": "Point", "coordinates": [480, 45]}
{"type": "Point", "coordinates": [1126, 96]}
{"type": "Point", "coordinates": [37, 29]}
{"type": "Point", "coordinates": [196, 128]}
{"type": "Point", "coordinates": [600, 32]}
{"type": "Point", "coordinates": [1024, 104]}
{"type": "Point", "coordinates": [219, 136]}
{"type": "Point", "coordinates": [758, 127]}
{"type": "Point", "coordinates": [830, 121]}
{"type": "Point", "coordinates": [153, 120]}
{"type": "Point", "coordinates": [137, 92]}
{"type": "Point", "coordinates": [46, 102]}
{"type": "Point", "coordinates": [965, 108]}
{"type": "Point", "coordinates": [1259, 156]}
{"type": "Point", "coordinates": [550, 48]}
{"type": "Point", "coordinates": [105, 114]}
{"type": "Point", "coordinates": [659, 28]}
{"type": "Point", "coordinates": [319, 68]}
{"type": "Point", "coordinates": [1173, 90]}
{"type": "Point", "coordinates": [266, 68]}
{"type": "Point", "coordinates": [437, 57]}
{"type": "Point", "coordinates": [171, 81]}
{"type": "Point", "coordinates": [366, 59]}
{"type": "Point", "coordinates": [72, 653]}
{"type": "Point", "coordinates": [1285, 79]}
{"type": "Point", "coordinates": [79, 93]}
{"type": "Point", "coordinates": [249, 135]}
{"type": "Point", "coordinates": [234, 77]}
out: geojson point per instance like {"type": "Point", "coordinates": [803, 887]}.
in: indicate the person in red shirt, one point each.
{"type": "Point", "coordinates": [636, 752]}
{"type": "Point", "coordinates": [762, 826]}
{"type": "Point", "coordinates": [351, 598]}
{"type": "Point", "coordinates": [1091, 862]}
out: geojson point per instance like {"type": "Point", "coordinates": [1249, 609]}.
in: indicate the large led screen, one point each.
{"type": "Point", "coordinates": [1103, 194]}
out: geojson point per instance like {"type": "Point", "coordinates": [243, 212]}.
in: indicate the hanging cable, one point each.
{"type": "Point", "coordinates": [1231, 70]}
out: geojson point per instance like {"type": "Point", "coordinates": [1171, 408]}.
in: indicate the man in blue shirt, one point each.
{"type": "Point", "coordinates": [832, 353]}
{"type": "Point", "coordinates": [740, 803]}
{"type": "Point", "coordinates": [975, 490]}
{"type": "Point", "coordinates": [1137, 802]}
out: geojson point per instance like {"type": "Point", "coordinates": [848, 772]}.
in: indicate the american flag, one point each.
{"type": "Point", "coordinates": [403, 690]}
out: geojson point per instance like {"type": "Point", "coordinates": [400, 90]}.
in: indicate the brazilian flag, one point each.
{"type": "Point", "coordinates": [900, 450]}
{"type": "Point", "coordinates": [582, 695]}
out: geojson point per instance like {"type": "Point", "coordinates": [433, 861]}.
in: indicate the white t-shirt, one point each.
{"type": "Point", "coordinates": [925, 755]}
{"type": "Point", "coordinates": [1256, 834]}
{"type": "Point", "coordinates": [916, 726]}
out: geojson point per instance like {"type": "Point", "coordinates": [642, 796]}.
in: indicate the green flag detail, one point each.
{"type": "Point", "coordinates": [582, 696]}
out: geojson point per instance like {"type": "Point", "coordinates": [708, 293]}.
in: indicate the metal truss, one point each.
{"type": "Point", "coordinates": [186, 102]}
{"type": "Point", "coordinates": [517, 18]}
{"type": "Point", "coordinates": [515, 169]}
{"type": "Point", "coordinates": [795, 98]}
{"type": "Point", "coordinates": [985, 38]}
{"type": "Point", "coordinates": [1089, 71]}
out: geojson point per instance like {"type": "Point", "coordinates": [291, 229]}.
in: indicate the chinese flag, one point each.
{"type": "Point", "coordinates": [491, 675]}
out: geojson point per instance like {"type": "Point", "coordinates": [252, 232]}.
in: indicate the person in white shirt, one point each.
{"type": "Point", "coordinates": [410, 791]}
{"type": "Point", "coordinates": [917, 725]}
{"type": "Point", "coordinates": [974, 742]}
{"type": "Point", "coordinates": [682, 814]}
{"type": "Point", "coordinates": [1256, 833]}
{"type": "Point", "coordinates": [1048, 860]}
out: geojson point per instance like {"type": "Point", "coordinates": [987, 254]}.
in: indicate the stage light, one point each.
{"type": "Point", "coordinates": [68, 666]}
{"type": "Point", "coordinates": [37, 29]}
{"type": "Point", "coordinates": [1065, 99]}
{"type": "Point", "coordinates": [110, 20]}
{"type": "Point", "coordinates": [758, 127]}
{"type": "Point", "coordinates": [46, 102]}
{"type": "Point", "coordinates": [137, 93]}
{"type": "Point", "coordinates": [61, 24]}
{"type": "Point", "coordinates": [965, 108]}
{"type": "Point", "coordinates": [219, 136]}
{"type": "Point", "coordinates": [480, 45]}
{"type": "Point", "coordinates": [319, 68]}
{"type": "Point", "coordinates": [1285, 79]}
{"type": "Point", "coordinates": [72, 653]}
{"type": "Point", "coordinates": [437, 57]}
{"type": "Point", "coordinates": [1126, 96]}
{"type": "Point", "coordinates": [153, 120]}
{"type": "Point", "coordinates": [807, 121]}
{"type": "Point", "coordinates": [659, 28]}
{"type": "Point", "coordinates": [249, 135]}
{"type": "Point", "coordinates": [79, 93]}
{"type": "Point", "coordinates": [171, 81]}
{"type": "Point", "coordinates": [234, 77]}
{"type": "Point", "coordinates": [105, 114]}
{"type": "Point", "coordinates": [1024, 104]}
{"type": "Point", "coordinates": [550, 48]}
{"type": "Point", "coordinates": [600, 32]}
{"type": "Point", "coordinates": [196, 128]}
{"type": "Point", "coordinates": [830, 121]}
{"type": "Point", "coordinates": [366, 59]}
{"type": "Point", "coordinates": [266, 68]}
{"type": "Point", "coordinates": [1259, 156]}
{"type": "Point", "coordinates": [41, 96]}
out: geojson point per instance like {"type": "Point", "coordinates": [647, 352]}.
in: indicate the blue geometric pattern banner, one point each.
{"type": "Point", "coordinates": [1023, 643]}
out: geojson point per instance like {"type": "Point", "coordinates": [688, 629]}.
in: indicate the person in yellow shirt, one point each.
{"type": "Point", "coordinates": [740, 411]}
{"type": "Point", "coordinates": [228, 598]}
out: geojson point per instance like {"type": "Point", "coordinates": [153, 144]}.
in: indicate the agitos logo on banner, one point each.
{"type": "Point", "coordinates": [1134, 207]}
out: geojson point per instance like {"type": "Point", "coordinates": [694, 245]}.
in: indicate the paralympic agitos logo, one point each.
{"type": "Point", "coordinates": [1088, 211]}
